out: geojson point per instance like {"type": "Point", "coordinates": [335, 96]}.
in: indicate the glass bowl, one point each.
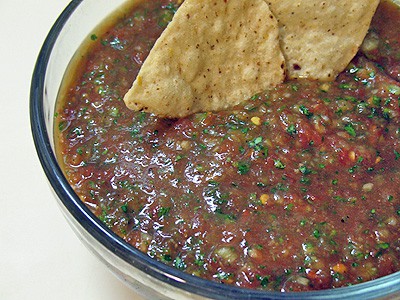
{"type": "Point", "coordinates": [151, 278]}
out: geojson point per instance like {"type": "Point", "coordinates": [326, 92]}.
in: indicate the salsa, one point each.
{"type": "Point", "coordinates": [296, 189]}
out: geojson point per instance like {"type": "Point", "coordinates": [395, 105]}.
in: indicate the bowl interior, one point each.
{"type": "Point", "coordinates": [65, 37]}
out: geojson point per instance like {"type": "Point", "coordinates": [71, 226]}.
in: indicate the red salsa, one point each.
{"type": "Point", "coordinates": [296, 189]}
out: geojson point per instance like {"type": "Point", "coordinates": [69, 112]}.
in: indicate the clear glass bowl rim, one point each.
{"type": "Point", "coordinates": [91, 224]}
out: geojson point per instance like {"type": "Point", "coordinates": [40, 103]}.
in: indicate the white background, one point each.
{"type": "Point", "coordinates": [40, 257]}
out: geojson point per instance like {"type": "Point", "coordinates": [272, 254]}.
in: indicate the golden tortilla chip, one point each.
{"type": "Point", "coordinates": [213, 55]}
{"type": "Point", "coordinates": [319, 38]}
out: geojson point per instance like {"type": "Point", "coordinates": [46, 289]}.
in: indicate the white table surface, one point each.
{"type": "Point", "coordinates": [40, 256]}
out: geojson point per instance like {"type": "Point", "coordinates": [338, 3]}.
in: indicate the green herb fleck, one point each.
{"type": "Point", "coordinates": [383, 245]}
{"type": "Point", "coordinates": [316, 234]}
{"type": "Point", "coordinates": [62, 125]}
{"type": "Point", "coordinates": [199, 261]}
{"type": "Point", "coordinates": [303, 169]}
{"type": "Point", "coordinates": [305, 180]}
{"type": "Point", "coordinates": [291, 129]}
{"type": "Point", "coordinates": [278, 164]}
{"type": "Point", "coordinates": [124, 207]}
{"type": "Point", "coordinates": [264, 280]}
{"type": "Point", "coordinates": [350, 130]}
{"type": "Point", "coordinates": [179, 157]}
{"type": "Point", "coordinates": [179, 263]}
{"type": "Point", "coordinates": [344, 86]}
{"type": "Point", "coordinates": [163, 211]}
{"type": "Point", "coordinates": [304, 110]}
{"type": "Point", "coordinates": [394, 89]}
{"type": "Point", "coordinates": [243, 167]}
{"type": "Point", "coordinates": [166, 258]}
{"type": "Point", "coordinates": [223, 275]}
{"type": "Point", "coordinates": [376, 100]}
{"type": "Point", "coordinates": [256, 144]}
{"type": "Point", "coordinates": [397, 154]}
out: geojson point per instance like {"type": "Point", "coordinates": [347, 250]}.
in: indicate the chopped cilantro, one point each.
{"type": "Point", "coordinates": [243, 167]}
{"type": "Point", "coordinates": [397, 154]}
{"type": "Point", "coordinates": [264, 280]}
{"type": "Point", "coordinates": [350, 130]}
{"type": "Point", "coordinates": [179, 263]}
{"type": "Point", "coordinates": [303, 169]}
{"type": "Point", "coordinates": [291, 129]}
{"type": "Point", "coordinates": [124, 207]}
{"type": "Point", "coordinates": [304, 110]}
{"type": "Point", "coordinates": [278, 164]}
{"type": "Point", "coordinates": [376, 100]}
{"type": "Point", "coordinates": [383, 245]}
{"type": "Point", "coordinates": [163, 211]}
{"type": "Point", "coordinates": [256, 144]}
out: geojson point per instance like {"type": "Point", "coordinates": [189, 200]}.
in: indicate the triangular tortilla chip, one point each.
{"type": "Point", "coordinates": [213, 55]}
{"type": "Point", "coordinates": [319, 38]}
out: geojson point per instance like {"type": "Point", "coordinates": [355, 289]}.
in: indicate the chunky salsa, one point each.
{"type": "Point", "coordinates": [296, 189]}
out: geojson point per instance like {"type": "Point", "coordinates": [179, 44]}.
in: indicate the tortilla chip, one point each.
{"type": "Point", "coordinates": [319, 38]}
{"type": "Point", "coordinates": [213, 55]}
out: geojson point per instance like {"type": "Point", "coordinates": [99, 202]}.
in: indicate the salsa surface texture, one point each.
{"type": "Point", "coordinates": [296, 189]}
